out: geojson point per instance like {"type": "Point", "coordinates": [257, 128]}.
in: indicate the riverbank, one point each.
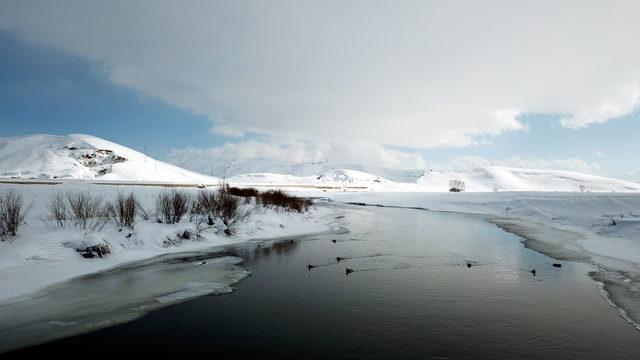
{"type": "Point", "coordinates": [410, 294]}
{"type": "Point", "coordinates": [42, 254]}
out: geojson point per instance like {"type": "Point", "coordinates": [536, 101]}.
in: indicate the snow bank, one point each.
{"type": "Point", "coordinates": [42, 255]}
{"type": "Point", "coordinates": [609, 224]}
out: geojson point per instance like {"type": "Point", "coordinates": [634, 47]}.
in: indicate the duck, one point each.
{"type": "Point", "coordinates": [557, 265]}
{"type": "Point", "coordinates": [309, 267]}
{"type": "Point", "coordinates": [334, 241]}
{"type": "Point", "coordinates": [533, 272]}
{"type": "Point", "coordinates": [338, 259]}
{"type": "Point", "coordinates": [348, 271]}
{"type": "Point", "coordinates": [468, 265]}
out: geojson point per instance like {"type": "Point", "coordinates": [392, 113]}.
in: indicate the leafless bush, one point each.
{"type": "Point", "coordinates": [57, 210]}
{"type": "Point", "coordinates": [205, 203]}
{"type": "Point", "coordinates": [284, 200]}
{"type": "Point", "coordinates": [86, 210]}
{"type": "Point", "coordinates": [163, 209]}
{"type": "Point", "coordinates": [456, 185]}
{"type": "Point", "coordinates": [125, 209]}
{"type": "Point", "coordinates": [12, 213]}
{"type": "Point", "coordinates": [181, 203]}
{"type": "Point", "coordinates": [230, 208]}
{"type": "Point", "coordinates": [171, 206]}
{"type": "Point", "coordinates": [211, 205]}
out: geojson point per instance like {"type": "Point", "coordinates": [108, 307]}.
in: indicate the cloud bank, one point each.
{"type": "Point", "coordinates": [418, 73]}
{"type": "Point", "coordinates": [288, 157]}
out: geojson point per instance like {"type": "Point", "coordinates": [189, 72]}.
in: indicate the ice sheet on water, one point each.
{"type": "Point", "coordinates": [622, 291]}
{"type": "Point", "coordinates": [115, 296]}
{"type": "Point", "coordinates": [192, 290]}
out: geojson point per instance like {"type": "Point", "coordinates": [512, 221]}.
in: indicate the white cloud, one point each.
{"type": "Point", "coordinates": [227, 131]}
{"type": "Point", "coordinates": [288, 157]}
{"type": "Point", "coordinates": [412, 73]}
{"type": "Point", "coordinates": [282, 155]}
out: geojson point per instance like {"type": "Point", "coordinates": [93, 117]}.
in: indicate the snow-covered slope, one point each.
{"type": "Point", "coordinates": [334, 177]}
{"type": "Point", "coordinates": [88, 157]}
{"type": "Point", "coordinates": [487, 179]}
{"type": "Point", "coordinates": [84, 157]}
{"type": "Point", "coordinates": [497, 178]}
{"type": "Point", "coordinates": [350, 176]}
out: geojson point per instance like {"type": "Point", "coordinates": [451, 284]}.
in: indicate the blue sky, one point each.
{"type": "Point", "coordinates": [415, 92]}
{"type": "Point", "coordinates": [46, 91]}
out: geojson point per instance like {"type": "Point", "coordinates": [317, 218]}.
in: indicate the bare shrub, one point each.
{"type": "Point", "coordinates": [205, 203]}
{"type": "Point", "coordinates": [211, 205]}
{"type": "Point", "coordinates": [12, 213]}
{"type": "Point", "coordinates": [171, 206]}
{"type": "Point", "coordinates": [86, 210]}
{"type": "Point", "coordinates": [282, 199]}
{"type": "Point", "coordinates": [181, 203]}
{"type": "Point", "coordinates": [163, 208]}
{"type": "Point", "coordinates": [456, 185]}
{"type": "Point", "coordinates": [57, 211]}
{"type": "Point", "coordinates": [230, 208]}
{"type": "Point", "coordinates": [125, 209]}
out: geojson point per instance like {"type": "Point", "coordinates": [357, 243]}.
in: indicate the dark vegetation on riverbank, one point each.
{"type": "Point", "coordinates": [86, 211]}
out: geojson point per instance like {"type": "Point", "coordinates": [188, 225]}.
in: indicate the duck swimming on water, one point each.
{"type": "Point", "coordinates": [533, 272]}
{"type": "Point", "coordinates": [348, 271]}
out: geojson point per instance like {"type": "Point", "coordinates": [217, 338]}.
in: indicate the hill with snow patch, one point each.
{"type": "Point", "coordinates": [84, 157]}
{"type": "Point", "coordinates": [88, 157]}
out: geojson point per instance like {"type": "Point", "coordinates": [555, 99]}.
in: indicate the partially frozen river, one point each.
{"type": "Point", "coordinates": [411, 294]}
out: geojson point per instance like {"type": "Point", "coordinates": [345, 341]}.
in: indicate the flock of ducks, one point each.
{"type": "Point", "coordinates": [555, 265]}
{"type": "Point", "coordinates": [348, 271]}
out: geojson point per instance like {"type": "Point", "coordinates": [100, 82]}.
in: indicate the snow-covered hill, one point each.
{"type": "Point", "coordinates": [84, 157]}
{"type": "Point", "coordinates": [498, 178]}
{"type": "Point", "coordinates": [489, 179]}
{"type": "Point", "coordinates": [89, 157]}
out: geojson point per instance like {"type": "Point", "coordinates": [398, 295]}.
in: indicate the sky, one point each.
{"type": "Point", "coordinates": [399, 84]}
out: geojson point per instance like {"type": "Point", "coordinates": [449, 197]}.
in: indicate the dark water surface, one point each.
{"type": "Point", "coordinates": [411, 295]}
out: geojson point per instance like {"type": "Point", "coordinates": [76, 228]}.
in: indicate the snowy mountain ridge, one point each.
{"type": "Point", "coordinates": [88, 157]}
